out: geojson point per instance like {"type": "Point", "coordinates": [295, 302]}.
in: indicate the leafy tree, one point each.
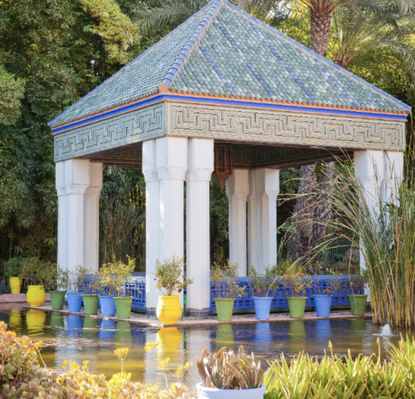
{"type": "Point", "coordinates": [11, 92]}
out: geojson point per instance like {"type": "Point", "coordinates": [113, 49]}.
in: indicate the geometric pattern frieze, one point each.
{"type": "Point", "coordinates": [134, 127]}
{"type": "Point", "coordinates": [237, 125]}
{"type": "Point", "coordinates": [287, 128]}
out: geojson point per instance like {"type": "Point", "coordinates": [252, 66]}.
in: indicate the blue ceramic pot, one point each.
{"type": "Point", "coordinates": [74, 301]}
{"type": "Point", "coordinates": [322, 304]}
{"type": "Point", "coordinates": [75, 325]}
{"type": "Point", "coordinates": [107, 330]}
{"type": "Point", "coordinates": [262, 307]}
{"type": "Point", "coordinates": [107, 305]}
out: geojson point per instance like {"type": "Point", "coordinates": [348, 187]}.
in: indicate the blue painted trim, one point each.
{"type": "Point", "coordinates": [230, 103]}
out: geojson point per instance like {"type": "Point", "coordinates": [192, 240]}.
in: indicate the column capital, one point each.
{"type": "Point", "coordinates": [171, 173]}
{"type": "Point", "coordinates": [199, 174]}
{"type": "Point", "coordinates": [150, 175]}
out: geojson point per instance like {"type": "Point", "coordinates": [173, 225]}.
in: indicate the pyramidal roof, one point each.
{"type": "Point", "coordinates": [224, 52]}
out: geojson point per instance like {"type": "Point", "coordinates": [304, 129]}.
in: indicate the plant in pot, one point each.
{"type": "Point", "coordinates": [91, 288]}
{"type": "Point", "coordinates": [170, 278]}
{"type": "Point", "coordinates": [323, 295]}
{"type": "Point", "coordinates": [12, 269]}
{"type": "Point", "coordinates": [37, 274]}
{"type": "Point", "coordinates": [112, 277]}
{"type": "Point", "coordinates": [73, 296]}
{"type": "Point", "coordinates": [228, 288]}
{"type": "Point", "coordinates": [226, 375]}
{"type": "Point", "coordinates": [261, 289]}
{"type": "Point", "coordinates": [297, 284]}
{"type": "Point", "coordinates": [58, 285]}
{"type": "Point", "coordinates": [357, 299]}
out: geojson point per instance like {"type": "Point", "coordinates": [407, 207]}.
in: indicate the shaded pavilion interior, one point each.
{"type": "Point", "coordinates": [225, 94]}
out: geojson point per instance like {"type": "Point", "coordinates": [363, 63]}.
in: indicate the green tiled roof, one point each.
{"type": "Point", "coordinates": [222, 51]}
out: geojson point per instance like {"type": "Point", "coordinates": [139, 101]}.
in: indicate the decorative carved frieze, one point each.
{"type": "Point", "coordinates": [141, 125]}
{"type": "Point", "coordinates": [243, 125]}
{"type": "Point", "coordinates": [274, 127]}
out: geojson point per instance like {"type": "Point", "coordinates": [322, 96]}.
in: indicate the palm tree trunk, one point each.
{"type": "Point", "coordinates": [320, 31]}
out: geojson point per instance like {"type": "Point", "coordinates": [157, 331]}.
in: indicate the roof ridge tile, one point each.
{"type": "Point", "coordinates": [191, 44]}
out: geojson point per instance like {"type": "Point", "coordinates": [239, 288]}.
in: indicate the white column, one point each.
{"type": "Point", "coordinates": [394, 174]}
{"type": "Point", "coordinates": [152, 223]}
{"type": "Point", "coordinates": [92, 218]}
{"type": "Point", "coordinates": [62, 215]}
{"type": "Point", "coordinates": [171, 162]}
{"type": "Point", "coordinates": [370, 171]}
{"type": "Point", "coordinates": [200, 168]}
{"type": "Point", "coordinates": [237, 189]}
{"type": "Point", "coordinates": [77, 179]}
{"type": "Point", "coordinates": [268, 187]}
{"type": "Point", "coordinates": [253, 228]}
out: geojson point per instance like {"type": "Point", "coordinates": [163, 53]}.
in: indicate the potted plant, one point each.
{"type": "Point", "coordinates": [323, 296]}
{"type": "Point", "coordinates": [261, 289]}
{"type": "Point", "coordinates": [357, 300]}
{"type": "Point", "coordinates": [297, 284]}
{"type": "Point", "coordinates": [73, 296]}
{"type": "Point", "coordinates": [112, 277]}
{"type": "Point", "coordinates": [169, 277]}
{"type": "Point", "coordinates": [12, 270]}
{"type": "Point", "coordinates": [226, 375]}
{"type": "Point", "coordinates": [224, 277]}
{"type": "Point", "coordinates": [37, 274]}
{"type": "Point", "coordinates": [90, 291]}
{"type": "Point", "coordinates": [59, 284]}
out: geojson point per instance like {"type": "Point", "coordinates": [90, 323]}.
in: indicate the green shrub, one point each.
{"type": "Point", "coordinates": [13, 267]}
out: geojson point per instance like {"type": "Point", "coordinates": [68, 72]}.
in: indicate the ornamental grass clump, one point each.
{"type": "Point", "coordinates": [229, 370]}
{"type": "Point", "coordinates": [382, 225]}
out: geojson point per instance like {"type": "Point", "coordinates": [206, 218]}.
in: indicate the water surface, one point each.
{"type": "Point", "coordinates": [86, 339]}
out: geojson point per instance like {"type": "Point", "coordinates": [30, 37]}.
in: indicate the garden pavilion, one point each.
{"type": "Point", "coordinates": [226, 94]}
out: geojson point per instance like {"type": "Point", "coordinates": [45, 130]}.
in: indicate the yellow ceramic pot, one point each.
{"type": "Point", "coordinates": [15, 285]}
{"type": "Point", "coordinates": [36, 295]}
{"type": "Point", "coordinates": [168, 309]}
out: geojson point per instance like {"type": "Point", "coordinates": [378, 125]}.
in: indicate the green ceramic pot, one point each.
{"type": "Point", "coordinates": [91, 302]}
{"type": "Point", "coordinates": [358, 304]}
{"type": "Point", "coordinates": [57, 298]}
{"type": "Point", "coordinates": [123, 306]}
{"type": "Point", "coordinates": [296, 305]}
{"type": "Point", "coordinates": [224, 308]}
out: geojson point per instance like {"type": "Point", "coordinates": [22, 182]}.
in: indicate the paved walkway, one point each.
{"type": "Point", "coordinates": [193, 322]}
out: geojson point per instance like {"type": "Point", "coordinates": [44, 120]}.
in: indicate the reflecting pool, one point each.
{"type": "Point", "coordinates": [80, 339]}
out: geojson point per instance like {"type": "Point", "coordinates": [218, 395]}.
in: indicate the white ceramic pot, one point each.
{"type": "Point", "coordinates": [211, 393]}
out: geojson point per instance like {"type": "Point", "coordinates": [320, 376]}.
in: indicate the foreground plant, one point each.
{"type": "Point", "coordinates": [227, 370]}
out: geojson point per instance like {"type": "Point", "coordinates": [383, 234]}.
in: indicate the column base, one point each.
{"type": "Point", "coordinates": [198, 312]}
{"type": "Point", "coordinates": [151, 312]}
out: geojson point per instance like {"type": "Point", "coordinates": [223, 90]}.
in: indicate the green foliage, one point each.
{"type": "Point", "coordinates": [262, 284]}
{"type": "Point", "coordinates": [39, 272]}
{"type": "Point", "coordinates": [334, 377]}
{"type": "Point", "coordinates": [357, 282]}
{"type": "Point", "coordinates": [225, 278]}
{"type": "Point", "coordinates": [62, 279]}
{"type": "Point", "coordinates": [170, 277]}
{"type": "Point", "coordinates": [115, 28]}
{"type": "Point", "coordinates": [122, 215]}
{"type": "Point", "coordinates": [226, 370]}
{"type": "Point", "coordinates": [113, 275]}
{"type": "Point", "coordinates": [11, 92]}
{"type": "Point", "coordinates": [13, 267]}
{"type": "Point", "coordinates": [22, 377]}
{"type": "Point", "coordinates": [219, 223]}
